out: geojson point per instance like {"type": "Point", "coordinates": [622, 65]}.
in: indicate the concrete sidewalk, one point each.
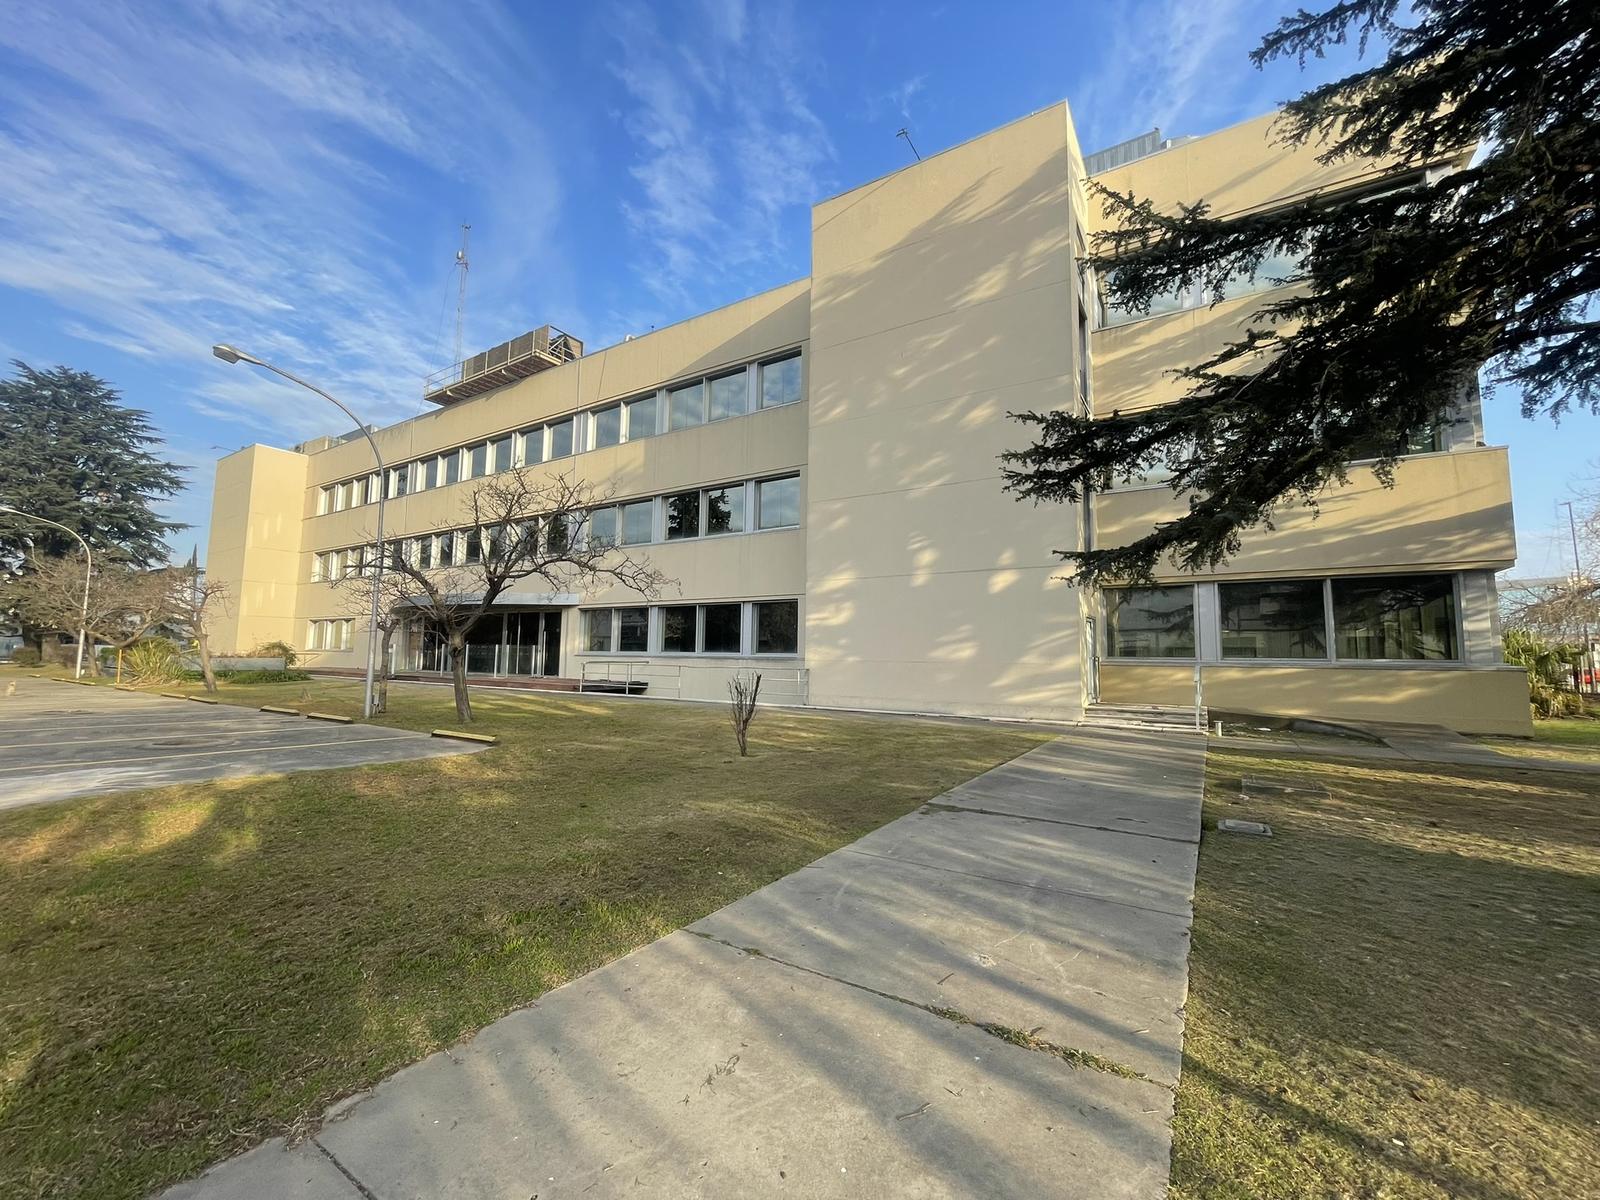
{"type": "Point", "coordinates": [851, 1030]}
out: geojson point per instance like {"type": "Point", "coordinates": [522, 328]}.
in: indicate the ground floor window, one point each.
{"type": "Point", "coordinates": [1273, 619]}
{"type": "Point", "coordinates": [732, 627]}
{"type": "Point", "coordinates": [329, 634]}
{"type": "Point", "coordinates": [1153, 622]}
{"type": "Point", "coordinates": [1395, 617]}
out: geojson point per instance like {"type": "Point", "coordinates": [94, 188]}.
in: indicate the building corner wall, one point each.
{"type": "Point", "coordinates": [943, 298]}
{"type": "Point", "coordinates": [257, 520]}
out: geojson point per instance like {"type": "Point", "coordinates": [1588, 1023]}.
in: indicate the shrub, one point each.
{"type": "Point", "coordinates": [152, 662]}
{"type": "Point", "coordinates": [26, 656]}
{"type": "Point", "coordinates": [254, 676]}
{"type": "Point", "coordinates": [1549, 668]}
{"type": "Point", "coordinates": [276, 650]}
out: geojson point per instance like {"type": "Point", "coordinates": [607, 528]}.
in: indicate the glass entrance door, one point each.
{"type": "Point", "coordinates": [550, 644]}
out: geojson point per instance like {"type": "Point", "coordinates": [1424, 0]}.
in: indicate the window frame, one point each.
{"type": "Point", "coordinates": [775, 360]}
{"type": "Point", "coordinates": [760, 523]}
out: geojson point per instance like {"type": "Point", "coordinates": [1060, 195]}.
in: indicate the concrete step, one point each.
{"type": "Point", "coordinates": [1170, 717]}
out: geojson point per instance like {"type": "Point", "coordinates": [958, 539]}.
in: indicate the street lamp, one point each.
{"type": "Point", "coordinates": [230, 354]}
{"type": "Point", "coordinates": [88, 574]}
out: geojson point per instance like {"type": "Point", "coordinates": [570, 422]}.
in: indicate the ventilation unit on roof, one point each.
{"type": "Point", "coordinates": [508, 362]}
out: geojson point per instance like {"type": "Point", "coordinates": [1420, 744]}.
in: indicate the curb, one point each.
{"type": "Point", "coordinates": [487, 739]}
{"type": "Point", "coordinates": [272, 708]}
{"type": "Point", "coordinates": [315, 716]}
{"type": "Point", "coordinates": [202, 699]}
{"type": "Point", "coordinates": [174, 696]}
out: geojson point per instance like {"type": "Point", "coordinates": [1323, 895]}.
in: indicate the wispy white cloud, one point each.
{"type": "Point", "coordinates": [177, 174]}
{"type": "Point", "coordinates": [728, 148]}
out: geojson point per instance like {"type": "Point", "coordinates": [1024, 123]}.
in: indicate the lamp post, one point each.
{"type": "Point", "coordinates": [230, 354]}
{"type": "Point", "coordinates": [88, 574]}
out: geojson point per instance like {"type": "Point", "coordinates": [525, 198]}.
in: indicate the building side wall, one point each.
{"type": "Point", "coordinates": [255, 547]}
{"type": "Point", "coordinates": [1484, 700]}
{"type": "Point", "coordinates": [942, 298]}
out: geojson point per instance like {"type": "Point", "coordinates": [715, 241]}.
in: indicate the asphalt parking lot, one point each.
{"type": "Point", "coordinates": [59, 740]}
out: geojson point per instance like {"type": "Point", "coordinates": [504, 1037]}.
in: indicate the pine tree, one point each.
{"type": "Point", "coordinates": [1402, 296]}
{"type": "Point", "coordinates": [71, 453]}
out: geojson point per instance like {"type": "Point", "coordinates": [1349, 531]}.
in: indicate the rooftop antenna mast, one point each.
{"type": "Point", "coordinates": [462, 266]}
{"type": "Point", "coordinates": [906, 133]}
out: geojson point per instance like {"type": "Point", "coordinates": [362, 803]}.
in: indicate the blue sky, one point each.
{"type": "Point", "coordinates": [291, 177]}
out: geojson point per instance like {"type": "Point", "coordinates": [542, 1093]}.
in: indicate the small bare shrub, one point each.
{"type": "Point", "coordinates": [742, 692]}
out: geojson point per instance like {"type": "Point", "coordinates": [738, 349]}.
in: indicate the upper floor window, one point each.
{"type": "Point", "coordinates": [778, 502]}
{"type": "Point", "coordinates": [780, 381]}
{"type": "Point", "coordinates": [561, 438]}
{"type": "Point", "coordinates": [686, 406]}
{"type": "Point", "coordinates": [607, 426]}
{"type": "Point", "coordinates": [1273, 271]}
{"type": "Point", "coordinates": [642, 417]}
{"type": "Point", "coordinates": [730, 395]}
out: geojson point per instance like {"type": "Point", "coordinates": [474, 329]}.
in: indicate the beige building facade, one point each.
{"type": "Point", "coordinates": [816, 469]}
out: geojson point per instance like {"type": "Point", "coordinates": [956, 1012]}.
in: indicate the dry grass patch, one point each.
{"type": "Point", "coordinates": [1395, 995]}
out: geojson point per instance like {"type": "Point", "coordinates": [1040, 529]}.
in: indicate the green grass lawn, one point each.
{"type": "Point", "coordinates": [1573, 739]}
{"type": "Point", "coordinates": [1395, 996]}
{"type": "Point", "coordinates": [190, 970]}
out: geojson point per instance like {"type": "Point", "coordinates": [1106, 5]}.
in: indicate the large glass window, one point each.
{"type": "Point", "coordinates": [501, 455]}
{"type": "Point", "coordinates": [683, 516]}
{"type": "Point", "coordinates": [1150, 622]}
{"type": "Point", "coordinates": [633, 630]}
{"type": "Point", "coordinates": [723, 628]}
{"type": "Point", "coordinates": [677, 629]}
{"type": "Point", "coordinates": [450, 468]}
{"type": "Point", "coordinates": [478, 457]}
{"type": "Point", "coordinates": [686, 406]}
{"type": "Point", "coordinates": [641, 417]}
{"type": "Point", "coordinates": [608, 426]}
{"type": "Point", "coordinates": [780, 382]}
{"type": "Point", "coordinates": [429, 472]}
{"type": "Point", "coordinates": [637, 521]}
{"type": "Point", "coordinates": [533, 446]}
{"type": "Point", "coordinates": [1395, 617]}
{"type": "Point", "coordinates": [777, 627]}
{"type": "Point", "coordinates": [725, 509]}
{"type": "Point", "coordinates": [729, 394]}
{"type": "Point", "coordinates": [1276, 619]}
{"type": "Point", "coordinates": [603, 527]}
{"type": "Point", "coordinates": [447, 549]}
{"type": "Point", "coordinates": [597, 630]}
{"type": "Point", "coordinates": [561, 438]}
{"type": "Point", "coordinates": [474, 540]}
{"type": "Point", "coordinates": [778, 503]}
{"type": "Point", "coordinates": [425, 552]}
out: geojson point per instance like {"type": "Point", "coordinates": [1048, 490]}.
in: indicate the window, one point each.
{"type": "Point", "coordinates": [729, 396]}
{"type": "Point", "coordinates": [638, 520]}
{"type": "Point", "coordinates": [778, 503]}
{"type": "Point", "coordinates": [723, 628]}
{"type": "Point", "coordinates": [500, 455]}
{"type": "Point", "coordinates": [325, 500]}
{"type": "Point", "coordinates": [641, 417]}
{"type": "Point", "coordinates": [1274, 271]}
{"type": "Point", "coordinates": [533, 447]}
{"type": "Point", "coordinates": [1395, 617]}
{"type": "Point", "coordinates": [398, 478]}
{"type": "Point", "coordinates": [425, 552]}
{"type": "Point", "coordinates": [686, 406]}
{"type": "Point", "coordinates": [557, 535]}
{"type": "Point", "coordinates": [777, 627]}
{"type": "Point", "coordinates": [449, 468]}
{"type": "Point", "coordinates": [603, 527]}
{"type": "Point", "coordinates": [677, 629]}
{"type": "Point", "coordinates": [478, 461]}
{"type": "Point", "coordinates": [633, 630]}
{"type": "Point", "coordinates": [780, 381]}
{"type": "Point", "coordinates": [1150, 622]}
{"type": "Point", "coordinates": [329, 635]}
{"type": "Point", "coordinates": [1277, 619]}
{"type": "Point", "coordinates": [683, 515]}
{"type": "Point", "coordinates": [597, 630]}
{"type": "Point", "coordinates": [561, 438]}
{"type": "Point", "coordinates": [725, 509]}
{"type": "Point", "coordinates": [430, 474]}
{"type": "Point", "coordinates": [447, 549]}
{"type": "Point", "coordinates": [608, 426]}
{"type": "Point", "coordinates": [474, 541]}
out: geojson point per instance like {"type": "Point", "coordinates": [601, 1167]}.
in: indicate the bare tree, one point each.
{"type": "Point", "coordinates": [742, 693]}
{"type": "Point", "coordinates": [395, 605]}
{"type": "Point", "coordinates": [196, 600]}
{"type": "Point", "coordinates": [520, 524]}
{"type": "Point", "coordinates": [125, 602]}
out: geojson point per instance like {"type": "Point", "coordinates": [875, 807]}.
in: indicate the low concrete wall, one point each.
{"type": "Point", "coordinates": [1467, 699]}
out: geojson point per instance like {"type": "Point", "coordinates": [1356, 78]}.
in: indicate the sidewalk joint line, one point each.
{"type": "Point", "coordinates": [1038, 887]}
{"type": "Point", "coordinates": [366, 1192]}
{"type": "Point", "coordinates": [935, 806]}
{"type": "Point", "coordinates": [1074, 1058]}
